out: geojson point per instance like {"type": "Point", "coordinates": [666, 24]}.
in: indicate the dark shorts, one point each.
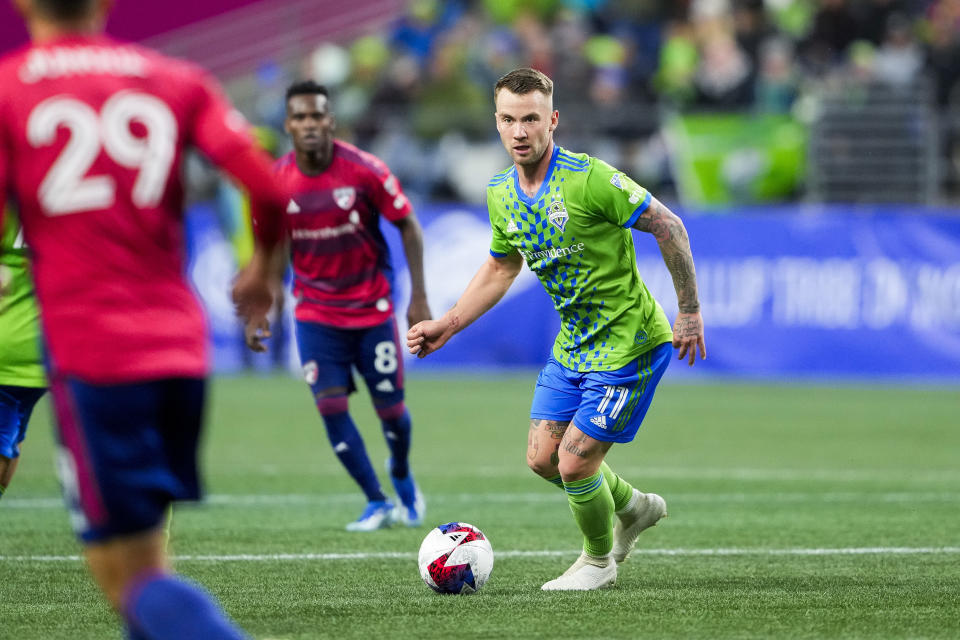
{"type": "Point", "coordinates": [329, 355]}
{"type": "Point", "coordinates": [606, 405]}
{"type": "Point", "coordinates": [126, 451]}
{"type": "Point", "coordinates": [16, 405]}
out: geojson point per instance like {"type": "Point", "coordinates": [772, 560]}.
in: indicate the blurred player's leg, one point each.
{"type": "Point", "coordinates": [16, 405]}
{"type": "Point", "coordinates": [7, 467]}
{"type": "Point", "coordinates": [327, 354]}
{"type": "Point", "coordinates": [134, 575]}
{"type": "Point", "coordinates": [127, 452]}
{"type": "Point", "coordinates": [348, 446]}
{"type": "Point", "coordinates": [379, 362]}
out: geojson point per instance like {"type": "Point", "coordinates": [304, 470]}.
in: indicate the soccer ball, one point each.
{"type": "Point", "coordinates": [455, 558]}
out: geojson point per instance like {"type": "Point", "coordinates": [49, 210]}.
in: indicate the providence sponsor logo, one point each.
{"type": "Point", "coordinates": [558, 252]}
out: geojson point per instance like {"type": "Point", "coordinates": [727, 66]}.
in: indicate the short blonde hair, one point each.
{"type": "Point", "coordinates": [524, 80]}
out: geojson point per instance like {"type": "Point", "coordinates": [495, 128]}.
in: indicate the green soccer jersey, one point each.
{"type": "Point", "coordinates": [20, 361]}
{"type": "Point", "coordinates": [575, 235]}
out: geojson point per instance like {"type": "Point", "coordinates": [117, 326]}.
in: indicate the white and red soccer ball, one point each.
{"type": "Point", "coordinates": [455, 558]}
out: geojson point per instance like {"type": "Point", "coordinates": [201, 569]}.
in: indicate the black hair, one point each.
{"type": "Point", "coordinates": [64, 9]}
{"type": "Point", "coordinates": [306, 88]}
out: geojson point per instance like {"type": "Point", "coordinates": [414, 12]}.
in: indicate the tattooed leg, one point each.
{"type": "Point", "coordinates": [543, 444]}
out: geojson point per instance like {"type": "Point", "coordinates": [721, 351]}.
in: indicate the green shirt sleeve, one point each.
{"type": "Point", "coordinates": [614, 195]}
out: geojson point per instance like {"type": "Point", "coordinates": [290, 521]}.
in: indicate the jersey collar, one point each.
{"type": "Point", "coordinates": [524, 198]}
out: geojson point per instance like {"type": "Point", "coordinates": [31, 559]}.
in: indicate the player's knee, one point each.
{"type": "Point", "coordinates": [391, 411]}
{"type": "Point", "coordinates": [332, 405]}
{"type": "Point", "coordinates": [572, 467]}
{"type": "Point", "coordinates": [541, 467]}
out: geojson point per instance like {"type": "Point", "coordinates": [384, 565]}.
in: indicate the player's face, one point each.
{"type": "Point", "coordinates": [309, 123]}
{"type": "Point", "coordinates": [526, 123]}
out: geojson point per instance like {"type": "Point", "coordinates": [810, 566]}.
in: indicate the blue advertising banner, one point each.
{"type": "Point", "coordinates": [786, 293]}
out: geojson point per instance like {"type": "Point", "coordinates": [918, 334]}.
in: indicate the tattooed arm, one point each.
{"type": "Point", "coordinates": [671, 235]}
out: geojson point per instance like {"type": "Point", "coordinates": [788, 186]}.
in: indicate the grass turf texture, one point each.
{"type": "Point", "coordinates": [794, 512]}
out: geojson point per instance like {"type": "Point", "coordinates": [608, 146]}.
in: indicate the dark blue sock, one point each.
{"type": "Point", "coordinates": [348, 445]}
{"type": "Point", "coordinates": [396, 430]}
{"type": "Point", "coordinates": [164, 607]}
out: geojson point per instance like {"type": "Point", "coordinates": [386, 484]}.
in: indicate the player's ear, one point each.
{"type": "Point", "coordinates": [103, 8]}
{"type": "Point", "coordinates": [23, 7]}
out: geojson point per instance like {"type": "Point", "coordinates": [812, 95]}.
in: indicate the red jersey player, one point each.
{"type": "Point", "coordinates": [343, 285]}
{"type": "Point", "coordinates": [92, 134]}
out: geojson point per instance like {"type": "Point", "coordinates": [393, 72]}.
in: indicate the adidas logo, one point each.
{"type": "Point", "coordinates": [600, 421]}
{"type": "Point", "coordinates": [385, 386]}
{"type": "Point", "coordinates": [293, 207]}
{"type": "Point", "coordinates": [512, 227]}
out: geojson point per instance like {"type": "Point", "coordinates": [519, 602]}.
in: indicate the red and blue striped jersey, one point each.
{"type": "Point", "coordinates": [341, 264]}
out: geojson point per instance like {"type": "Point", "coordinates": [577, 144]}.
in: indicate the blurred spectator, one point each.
{"type": "Point", "coordinates": [900, 59]}
{"type": "Point", "coordinates": [834, 28]}
{"type": "Point", "coordinates": [724, 75]}
{"type": "Point", "coordinates": [778, 81]}
{"type": "Point", "coordinates": [942, 27]}
{"type": "Point", "coordinates": [422, 87]}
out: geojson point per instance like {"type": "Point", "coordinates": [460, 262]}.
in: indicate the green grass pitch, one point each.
{"type": "Point", "coordinates": [795, 512]}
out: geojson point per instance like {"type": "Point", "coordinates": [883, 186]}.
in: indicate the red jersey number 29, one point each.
{"type": "Point", "coordinates": [67, 188]}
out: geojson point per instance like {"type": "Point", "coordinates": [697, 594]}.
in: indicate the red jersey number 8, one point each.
{"type": "Point", "coordinates": [67, 188]}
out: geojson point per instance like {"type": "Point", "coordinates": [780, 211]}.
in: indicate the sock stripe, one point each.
{"type": "Point", "coordinates": [592, 486]}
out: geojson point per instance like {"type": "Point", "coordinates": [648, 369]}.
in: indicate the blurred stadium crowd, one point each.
{"type": "Point", "coordinates": [418, 93]}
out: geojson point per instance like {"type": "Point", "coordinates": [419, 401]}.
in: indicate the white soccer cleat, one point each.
{"type": "Point", "coordinates": [642, 512]}
{"type": "Point", "coordinates": [412, 516]}
{"type": "Point", "coordinates": [377, 515]}
{"type": "Point", "coordinates": [408, 513]}
{"type": "Point", "coordinates": [586, 574]}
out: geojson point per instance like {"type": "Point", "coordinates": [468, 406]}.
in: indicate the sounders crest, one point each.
{"type": "Point", "coordinates": [557, 214]}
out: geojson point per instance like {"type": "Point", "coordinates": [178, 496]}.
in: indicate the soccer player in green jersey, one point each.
{"type": "Point", "coordinates": [22, 378]}
{"type": "Point", "coordinates": [568, 217]}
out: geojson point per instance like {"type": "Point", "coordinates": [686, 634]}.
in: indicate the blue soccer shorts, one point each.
{"type": "Point", "coordinates": [16, 405]}
{"type": "Point", "coordinates": [126, 451]}
{"type": "Point", "coordinates": [329, 355]}
{"type": "Point", "coordinates": [606, 405]}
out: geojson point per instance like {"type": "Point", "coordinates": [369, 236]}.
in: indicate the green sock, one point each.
{"type": "Point", "coordinates": [555, 481]}
{"type": "Point", "coordinates": [2, 489]}
{"type": "Point", "coordinates": [620, 489]}
{"type": "Point", "coordinates": [592, 507]}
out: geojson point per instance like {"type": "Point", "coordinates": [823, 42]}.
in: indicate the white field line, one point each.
{"type": "Point", "coordinates": [406, 555]}
{"type": "Point", "coordinates": [787, 497]}
{"type": "Point", "coordinates": [747, 473]}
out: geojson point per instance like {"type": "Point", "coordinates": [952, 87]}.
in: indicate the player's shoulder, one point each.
{"type": "Point", "coordinates": [358, 159]}
{"type": "Point", "coordinates": [502, 177]}
{"type": "Point", "coordinates": [285, 163]}
{"type": "Point", "coordinates": [576, 162]}
{"type": "Point", "coordinates": [12, 60]}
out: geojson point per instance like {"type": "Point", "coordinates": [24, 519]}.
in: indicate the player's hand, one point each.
{"type": "Point", "coordinates": [426, 337]}
{"type": "Point", "coordinates": [688, 335]}
{"type": "Point", "coordinates": [255, 332]}
{"type": "Point", "coordinates": [418, 311]}
{"type": "Point", "coordinates": [253, 289]}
